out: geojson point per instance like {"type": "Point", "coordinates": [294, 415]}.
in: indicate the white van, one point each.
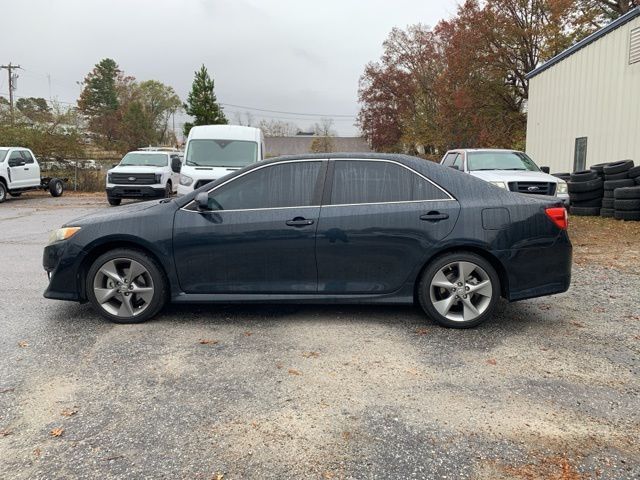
{"type": "Point", "coordinates": [213, 151]}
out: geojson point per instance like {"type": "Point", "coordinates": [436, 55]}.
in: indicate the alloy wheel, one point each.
{"type": "Point", "coordinates": [461, 291]}
{"type": "Point", "coordinates": [123, 287]}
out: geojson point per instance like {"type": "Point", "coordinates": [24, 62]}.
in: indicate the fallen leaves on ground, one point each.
{"type": "Point", "coordinates": [346, 435]}
{"type": "Point", "coordinates": [5, 432]}
{"type": "Point", "coordinates": [248, 333]}
{"type": "Point", "coordinates": [491, 361]}
{"type": "Point", "coordinates": [56, 432]}
{"type": "Point", "coordinates": [218, 476]}
{"type": "Point", "coordinates": [422, 331]}
{"type": "Point", "coordinates": [69, 412]}
{"type": "Point", "coordinates": [293, 371]}
{"type": "Point", "coordinates": [207, 341]}
{"type": "Point", "coordinates": [37, 452]}
{"type": "Point", "coordinates": [7, 390]}
{"type": "Point", "coordinates": [23, 344]}
{"type": "Point", "coordinates": [577, 324]}
{"type": "Point", "coordinates": [310, 354]}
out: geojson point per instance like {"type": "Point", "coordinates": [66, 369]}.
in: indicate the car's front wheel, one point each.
{"type": "Point", "coordinates": [459, 290]}
{"type": "Point", "coordinates": [126, 286]}
{"type": "Point", "coordinates": [114, 202]}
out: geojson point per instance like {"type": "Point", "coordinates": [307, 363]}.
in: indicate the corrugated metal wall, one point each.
{"type": "Point", "coordinates": [594, 93]}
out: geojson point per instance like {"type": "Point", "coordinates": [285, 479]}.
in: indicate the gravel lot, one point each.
{"type": "Point", "coordinates": [548, 389]}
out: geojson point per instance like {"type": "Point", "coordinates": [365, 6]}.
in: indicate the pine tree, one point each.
{"type": "Point", "coordinates": [202, 104]}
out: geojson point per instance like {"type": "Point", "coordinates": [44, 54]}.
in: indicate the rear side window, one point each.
{"type": "Point", "coordinates": [276, 186]}
{"type": "Point", "coordinates": [378, 182]}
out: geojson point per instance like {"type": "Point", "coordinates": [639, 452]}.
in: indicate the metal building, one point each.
{"type": "Point", "coordinates": [584, 104]}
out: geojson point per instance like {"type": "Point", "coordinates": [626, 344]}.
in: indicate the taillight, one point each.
{"type": "Point", "coordinates": [558, 215]}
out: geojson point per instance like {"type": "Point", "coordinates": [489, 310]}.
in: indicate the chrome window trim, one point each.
{"type": "Point", "coordinates": [451, 198]}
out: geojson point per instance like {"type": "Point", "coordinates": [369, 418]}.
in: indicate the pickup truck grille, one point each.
{"type": "Point", "coordinates": [133, 178]}
{"type": "Point", "coordinates": [537, 188]}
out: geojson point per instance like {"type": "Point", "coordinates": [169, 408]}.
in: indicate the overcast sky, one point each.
{"type": "Point", "coordinates": [285, 55]}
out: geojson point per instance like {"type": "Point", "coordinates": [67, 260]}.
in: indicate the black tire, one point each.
{"type": "Point", "coordinates": [608, 194]}
{"type": "Point", "coordinates": [627, 192]}
{"type": "Point", "coordinates": [616, 176]}
{"type": "Point", "coordinates": [584, 185]}
{"type": "Point", "coordinates": [634, 172]}
{"type": "Point", "coordinates": [442, 262]}
{"type": "Point", "coordinates": [613, 184]}
{"type": "Point", "coordinates": [584, 211]}
{"type": "Point", "coordinates": [625, 215]}
{"type": "Point", "coordinates": [627, 204]}
{"type": "Point", "coordinates": [617, 167]}
{"type": "Point", "coordinates": [167, 190]}
{"type": "Point", "coordinates": [56, 187]}
{"type": "Point", "coordinates": [584, 196]}
{"type": "Point", "coordinates": [607, 203]}
{"type": "Point", "coordinates": [562, 175]}
{"type": "Point", "coordinates": [114, 202]}
{"type": "Point", "coordinates": [15, 194]}
{"type": "Point", "coordinates": [596, 202]}
{"type": "Point", "coordinates": [3, 192]}
{"type": "Point", "coordinates": [607, 212]}
{"type": "Point", "coordinates": [583, 176]}
{"type": "Point", "coordinates": [637, 179]}
{"type": "Point", "coordinates": [599, 167]}
{"type": "Point", "coordinates": [158, 283]}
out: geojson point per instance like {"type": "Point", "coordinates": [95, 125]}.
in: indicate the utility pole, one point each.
{"type": "Point", "coordinates": [12, 79]}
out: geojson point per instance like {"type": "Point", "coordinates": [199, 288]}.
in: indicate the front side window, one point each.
{"type": "Point", "coordinates": [274, 186]}
{"type": "Point", "coordinates": [500, 161]}
{"type": "Point", "coordinates": [221, 153]}
{"type": "Point", "coordinates": [450, 159]}
{"type": "Point", "coordinates": [28, 158]}
{"type": "Point", "coordinates": [379, 182]}
{"type": "Point", "coordinates": [144, 159]}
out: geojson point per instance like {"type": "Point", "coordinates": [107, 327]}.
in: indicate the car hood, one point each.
{"type": "Point", "coordinates": [513, 176]}
{"type": "Point", "coordinates": [117, 213]}
{"type": "Point", "coordinates": [134, 169]}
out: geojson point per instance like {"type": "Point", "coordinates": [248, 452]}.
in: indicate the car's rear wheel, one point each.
{"type": "Point", "coordinates": [168, 190]}
{"type": "Point", "coordinates": [126, 286]}
{"type": "Point", "coordinates": [3, 192]}
{"type": "Point", "coordinates": [459, 290]}
{"type": "Point", "coordinates": [56, 187]}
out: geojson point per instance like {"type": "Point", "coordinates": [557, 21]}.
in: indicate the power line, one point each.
{"type": "Point", "coordinates": [289, 113]}
{"type": "Point", "coordinates": [12, 81]}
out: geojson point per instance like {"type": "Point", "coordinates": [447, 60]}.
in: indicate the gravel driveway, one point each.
{"type": "Point", "coordinates": [548, 389]}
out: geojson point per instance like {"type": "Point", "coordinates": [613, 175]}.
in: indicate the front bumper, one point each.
{"type": "Point", "coordinates": [135, 191]}
{"type": "Point", "coordinates": [56, 260]}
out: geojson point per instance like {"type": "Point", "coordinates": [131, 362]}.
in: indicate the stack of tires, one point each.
{"type": "Point", "coordinates": [616, 175]}
{"type": "Point", "coordinates": [627, 203]}
{"type": "Point", "coordinates": [585, 193]}
{"type": "Point", "coordinates": [562, 176]}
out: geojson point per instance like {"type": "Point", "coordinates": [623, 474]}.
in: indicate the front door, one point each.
{"type": "Point", "coordinates": [259, 237]}
{"type": "Point", "coordinates": [18, 170]}
{"type": "Point", "coordinates": [378, 223]}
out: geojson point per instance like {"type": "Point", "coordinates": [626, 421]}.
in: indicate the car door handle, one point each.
{"type": "Point", "coordinates": [26, 169]}
{"type": "Point", "coordinates": [299, 222]}
{"type": "Point", "coordinates": [434, 216]}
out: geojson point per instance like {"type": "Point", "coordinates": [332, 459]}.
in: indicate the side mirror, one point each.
{"type": "Point", "coordinates": [176, 164]}
{"type": "Point", "coordinates": [545, 169]}
{"type": "Point", "coordinates": [202, 201]}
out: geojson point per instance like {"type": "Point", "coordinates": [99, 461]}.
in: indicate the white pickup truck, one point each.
{"type": "Point", "coordinates": [20, 172]}
{"type": "Point", "coordinates": [508, 169]}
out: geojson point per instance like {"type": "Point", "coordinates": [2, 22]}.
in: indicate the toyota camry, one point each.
{"type": "Point", "coordinates": [326, 228]}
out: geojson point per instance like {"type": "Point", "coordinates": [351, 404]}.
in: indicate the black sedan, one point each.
{"type": "Point", "coordinates": [332, 228]}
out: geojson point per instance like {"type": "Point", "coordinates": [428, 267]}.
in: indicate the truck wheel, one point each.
{"type": "Point", "coordinates": [3, 192]}
{"type": "Point", "coordinates": [15, 194]}
{"type": "Point", "coordinates": [167, 190]}
{"type": "Point", "coordinates": [56, 188]}
{"type": "Point", "coordinates": [114, 202]}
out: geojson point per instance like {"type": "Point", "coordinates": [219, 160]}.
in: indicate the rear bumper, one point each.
{"type": "Point", "coordinates": [135, 191]}
{"type": "Point", "coordinates": [535, 272]}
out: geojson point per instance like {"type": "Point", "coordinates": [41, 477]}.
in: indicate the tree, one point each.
{"type": "Point", "coordinates": [99, 98]}
{"type": "Point", "coordinates": [278, 128]}
{"type": "Point", "coordinates": [35, 109]}
{"type": "Point", "coordinates": [323, 141]}
{"type": "Point", "coordinates": [158, 102]}
{"type": "Point", "coordinates": [202, 104]}
{"type": "Point", "coordinates": [138, 129]}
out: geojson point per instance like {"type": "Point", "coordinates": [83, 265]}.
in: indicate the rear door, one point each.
{"type": "Point", "coordinates": [379, 222]}
{"type": "Point", "coordinates": [31, 169]}
{"type": "Point", "coordinates": [18, 170]}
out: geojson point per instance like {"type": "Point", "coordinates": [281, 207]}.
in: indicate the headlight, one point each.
{"type": "Point", "coordinates": [499, 184]}
{"type": "Point", "coordinates": [185, 180]}
{"type": "Point", "coordinates": [63, 234]}
{"type": "Point", "coordinates": [109, 178]}
{"type": "Point", "coordinates": [158, 178]}
{"type": "Point", "coordinates": [562, 187]}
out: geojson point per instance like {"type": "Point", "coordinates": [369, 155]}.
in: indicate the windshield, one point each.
{"type": "Point", "coordinates": [3, 153]}
{"type": "Point", "coordinates": [221, 153]}
{"type": "Point", "coordinates": [500, 161]}
{"type": "Point", "coordinates": [145, 159]}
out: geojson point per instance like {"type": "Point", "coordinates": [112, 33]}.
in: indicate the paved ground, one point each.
{"type": "Point", "coordinates": [548, 389]}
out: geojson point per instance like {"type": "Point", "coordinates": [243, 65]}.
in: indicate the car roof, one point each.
{"type": "Point", "coordinates": [225, 132]}
{"type": "Point", "coordinates": [150, 152]}
{"type": "Point", "coordinates": [483, 150]}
